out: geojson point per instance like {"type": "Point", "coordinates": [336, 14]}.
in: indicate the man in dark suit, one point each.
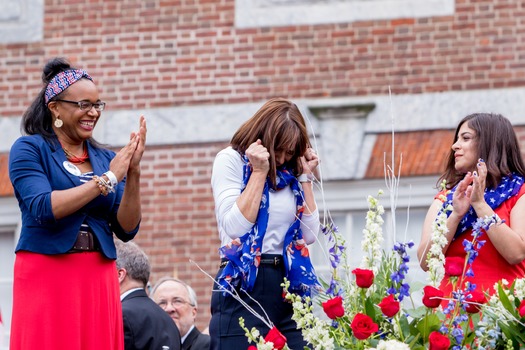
{"type": "Point", "coordinates": [180, 302]}
{"type": "Point", "coordinates": [146, 325]}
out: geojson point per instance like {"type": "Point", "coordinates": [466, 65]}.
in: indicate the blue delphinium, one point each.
{"type": "Point", "coordinates": [397, 277]}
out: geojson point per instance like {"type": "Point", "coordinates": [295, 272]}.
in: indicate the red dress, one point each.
{"type": "Point", "coordinates": [489, 266]}
{"type": "Point", "coordinates": [55, 294]}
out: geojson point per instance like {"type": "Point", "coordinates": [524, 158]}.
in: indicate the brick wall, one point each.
{"type": "Point", "coordinates": [171, 52]}
{"type": "Point", "coordinates": [159, 53]}
{"type": "Point", "coordinates": [178, 217]}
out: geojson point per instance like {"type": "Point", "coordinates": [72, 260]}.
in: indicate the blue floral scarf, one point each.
{"type": "Point", "coordinates": [244, 253]}
{"type": "Point", "coordinates": [508, 187]}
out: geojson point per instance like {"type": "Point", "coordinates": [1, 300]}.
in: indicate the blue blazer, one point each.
{"type": "Point", "coordinates": [36, 168]}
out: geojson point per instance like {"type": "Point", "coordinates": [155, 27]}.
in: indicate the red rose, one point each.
{"type": "Point", "coordinates": [432, 296]}
{"type": "Point", "coordinates": [438, 341]}
{"type": "Point", "coordinates": [477, 298]}
{"type": "Point", "coordinates": [521, 308]}
{"type": "Point", "coordinates": [363, 326]}
{"type": "Point", "coordinates": [363, 278]}
{"type": "Point", "coordinates": [274, 336]}
{"type": "Point", "coordinates": [252, 347]}
{"type": "Point", "coordinates": [334, 307]}
{"type": "Point", "coordinates": [389, 306]}
{"type": "Point", "coordinates": [454, 266]}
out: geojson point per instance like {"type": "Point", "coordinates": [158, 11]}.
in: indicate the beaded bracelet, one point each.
{"type": "Point", "coordinates": [104, 187]}
{"type": "Point", "coordinates": [103, 190]}
{"type": "Point", "coordinates": [108, 185]}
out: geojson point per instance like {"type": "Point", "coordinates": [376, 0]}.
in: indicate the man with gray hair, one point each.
{"type": "Point", "coordinates": [180, 302]}
{"type": "Point", "coordinates": [146, 325]}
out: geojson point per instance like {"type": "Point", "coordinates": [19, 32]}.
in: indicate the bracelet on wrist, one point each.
{"type": "Point", "coordinates": [104, 186]}
{"type": "Point", "coordinates": [305, 178]}
{"type": "Point", "coordinates": [112, 178]}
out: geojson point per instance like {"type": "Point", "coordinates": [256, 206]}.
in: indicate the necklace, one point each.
{"type": "Point", "coordinates": [74, 159]}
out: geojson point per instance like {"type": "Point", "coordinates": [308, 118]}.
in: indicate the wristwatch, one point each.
{"type": "Point", "coordinates": [305, 178]}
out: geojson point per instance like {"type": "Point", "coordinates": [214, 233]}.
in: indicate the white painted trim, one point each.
{"type": "Point", "coordinates": [346, 196]}
{"type": "Point", "coordinates": [217, 123]}
{"type": "Point", "coordinates": [22, 21]}
{"type": "Point", "coordinates": [343, 143]}
{"type": "Point", "coordinates": [250, 14]}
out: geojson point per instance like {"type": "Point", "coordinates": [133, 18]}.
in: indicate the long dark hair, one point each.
{"type": "Point", "coordinates": [280, 125]}
{"type": "Point", "coordinates": [497, 145]}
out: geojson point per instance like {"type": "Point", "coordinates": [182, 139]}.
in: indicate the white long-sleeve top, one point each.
{"type": "Point", "coordinates": [227, 181]}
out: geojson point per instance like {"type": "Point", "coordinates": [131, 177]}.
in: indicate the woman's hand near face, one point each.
{"type": "Point", "coordinates": [259, 157]}
{"type": "Point", "coordinates": [462, 196]}
{"type": "Point", "coordinates": [310, 161]}
{"type": "Point", "coordinates": [479, 184]}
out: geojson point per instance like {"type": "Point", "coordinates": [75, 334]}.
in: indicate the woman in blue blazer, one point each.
{"type": "Point", "coordinates": [73, 196]}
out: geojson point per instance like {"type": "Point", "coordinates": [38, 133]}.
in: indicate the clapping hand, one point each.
{"type": "Point", "coordinates": [127, 160]}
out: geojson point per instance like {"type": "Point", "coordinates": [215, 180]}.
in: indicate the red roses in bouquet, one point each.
{"type": "Point", "coordinates": [363, 277]}
{"type": "Point", "coordinates": [363, 326]}
{"type": "Point", "coordinates": [389, 306]}
{"type": "Point", "coordinates": [454, 265]}
{"type": "Point", "coordinates": [432, 297]}
{"type": "Point", "coordinates": [276, 337]}
{"type": "Point", "coordinates": [334, 307]}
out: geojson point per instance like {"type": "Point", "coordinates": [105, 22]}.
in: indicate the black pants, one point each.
{"type": "Point", "coordinates": [225, 332]}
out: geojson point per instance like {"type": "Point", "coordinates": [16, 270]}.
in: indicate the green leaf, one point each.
{"type": "Point", "coordinates": [370, 310]}
{"type": "Point", "coordinates": [405, 326]}
{"type": "Point", "coordinates": [427, 325]}
{"type": "Point", "coordinates": [507, 304]}
{"type": "Point", "coordinates": [417, 313]}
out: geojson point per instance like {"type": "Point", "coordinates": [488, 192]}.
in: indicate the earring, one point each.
{"type": "Point", "coordinates": [58, 123]}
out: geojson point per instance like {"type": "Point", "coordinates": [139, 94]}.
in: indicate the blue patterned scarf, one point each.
{"type": "Point", "coordinates": [244, 253]}
{"type": "Point", "coordinates": [508, 187]}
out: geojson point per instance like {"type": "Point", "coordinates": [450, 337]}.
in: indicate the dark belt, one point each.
{"type": "Point", "coordinates": [85, 242]}
{"type": "Point", "coordinates": [266, 259]}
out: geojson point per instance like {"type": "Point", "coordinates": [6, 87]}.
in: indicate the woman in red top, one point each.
{"type": "Point", "coordinates": [484, 176]}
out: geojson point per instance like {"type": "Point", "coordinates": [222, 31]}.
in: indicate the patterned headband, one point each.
{"type": "Point", "coordinates": [63, 80]}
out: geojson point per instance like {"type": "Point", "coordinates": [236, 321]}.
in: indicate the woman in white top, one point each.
{"type": "Point", "coordinates": [266, 215]}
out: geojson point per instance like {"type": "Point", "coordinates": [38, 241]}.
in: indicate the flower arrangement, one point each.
{"type": "Point", "coordinates": [371, 306]}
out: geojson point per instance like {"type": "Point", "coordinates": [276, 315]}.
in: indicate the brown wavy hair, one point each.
{"type": "Point", "coordinates": [279, 125]}
{"type": "Point", "coordinates": [497, 145]}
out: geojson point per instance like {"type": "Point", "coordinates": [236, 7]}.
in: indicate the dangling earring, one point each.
{"type": "Point", "coordinates": [58, 123]}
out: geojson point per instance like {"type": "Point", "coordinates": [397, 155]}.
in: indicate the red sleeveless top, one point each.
{"type": "Point", "coordinates": [489, 266]}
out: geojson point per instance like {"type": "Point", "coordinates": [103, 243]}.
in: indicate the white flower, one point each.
{"type": "Point", "coordinates": [435, 256]}
{"type": "Point", "coordinates": [392, 345]}
{"type": "Point", "coordinates": [373, 235]}
{"type": "Point", "coordinates": [519, 288]}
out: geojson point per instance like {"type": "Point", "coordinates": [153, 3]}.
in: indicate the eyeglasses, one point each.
{"type": "Point", "coordinates": [176, 302]}
{"type": "Point", "coordinates": [86, 105]}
